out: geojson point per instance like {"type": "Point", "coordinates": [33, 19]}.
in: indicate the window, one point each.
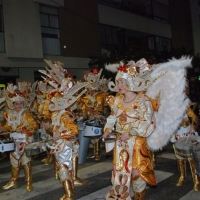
{"type": "Point", "coordinates": [115, 37]}
{"type": "Point", "coordinates": [111, 37]}
{"type": "Point", "coordinates": [2, 40]}
{"type": "Point", "coordinates": [50, 30]}
{"type": "Point", "coordinates": [159, 43]}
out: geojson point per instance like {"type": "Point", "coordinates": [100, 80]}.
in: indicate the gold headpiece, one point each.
{"type": "Point", "coordinates": [93, 79]}
{"type": "Point", "coordinates": [137, 75]}
{"type": "Point", "coordinates": [103, 84]}
{"type": "Point", "coordinates": [61, 101]}
{"type": "Point", "coordinates": [16, 93]}
{"type": "Point", "coordinates": [65, 91]}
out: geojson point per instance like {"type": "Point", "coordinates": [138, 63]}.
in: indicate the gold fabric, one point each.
{"type": "Point", "coordinates": [27, 123]}
{"type": "Point", "coordinates": [64, 125]}
{"type": "Point", "coordinates": [28, 176]}
{"type": "Point", "coordinates": [13, 182]}
{"type": "Point", "coordinates": [193, 117]}
{"type": "Point", "coordinates": [93, 104]}
{"type": "Point", "coordinates": [138, 121]}
{"type": "Point", "coordinates": [142, 160]}
{"type": "Point", "coordinates": [195, 177]}
{"type": "Point", "coordinates": [69, 190]}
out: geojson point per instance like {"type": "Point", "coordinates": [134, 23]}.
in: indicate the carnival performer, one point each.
{"type": "Point", "coordinates": [132, 115]}
{"type": "Point", "coordinates": [2, 121]}
{"type": "Point", "coordinates": [21, 127]}
{"type": "Point", "coordinates": [65, 146]}
{"type": "Point", "coordinates": [43, 114]}
{"type": "Point", "coordinates": [186, 130]}
{"type": "Point", "coordinates": [93, 106]}
{"type": "Point", "coordinates": [143, 119]}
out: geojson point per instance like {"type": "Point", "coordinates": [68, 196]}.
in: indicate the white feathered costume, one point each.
{"type": "Point", "coordinates": [166, 83]}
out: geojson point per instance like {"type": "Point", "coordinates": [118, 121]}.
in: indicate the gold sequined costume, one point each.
{"type": "Point", "coordinates": [138, 121]}
{"type": "Point", "coordinates": [28, 125]}
{"type": "Point", "coordinates": [186, 129]}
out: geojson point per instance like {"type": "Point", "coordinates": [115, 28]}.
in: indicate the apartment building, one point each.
{"type": "Point", "coordinates": [73, 31]}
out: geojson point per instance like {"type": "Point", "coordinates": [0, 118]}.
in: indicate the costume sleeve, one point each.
{"type": "Point", "coordinates": [85, 103]}
{"type": "Point", "coordinates": [110, 122]}
{"type": "Point", "coordinates": [111, 119]}
{"type": "Point", "coordinates": [6, 126]}
{"type": "Point", "coordinates": [28, 124]}
{"type": "Point", "coordinates": [145, 124]}
{"type": "Point", "coordinates": [99, 102]}
{"type": "Point", "coordinates": [70, 128]}
{"type": "Point", "coordinates": [193, 117]}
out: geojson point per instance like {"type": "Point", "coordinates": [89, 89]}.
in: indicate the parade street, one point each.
{"type": "Point", "coordinates": [98, 174]}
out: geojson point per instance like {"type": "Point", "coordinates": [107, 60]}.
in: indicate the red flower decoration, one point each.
{"type": "Point", "coordinates": [135, 107]}
{"type": "Point", "coordinates": [95, 70]}
{"type": "Point", "coordinates": [122, 68]}
{"type": "Point", "coordinates": [70, 75]}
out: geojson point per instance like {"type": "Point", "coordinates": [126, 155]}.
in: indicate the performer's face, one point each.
{"type": "Point", "coordinates": [120, 84]}
{"type": "Point", "coordinates": [18, 105]}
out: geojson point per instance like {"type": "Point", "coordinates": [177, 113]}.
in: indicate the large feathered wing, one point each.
{"type": "Point", "coordinates": [168, 88]}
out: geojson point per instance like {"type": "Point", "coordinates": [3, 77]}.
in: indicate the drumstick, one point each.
{"type": "Point", "coordinates": [5, 133]}
{"type": "Point", "coordinates": [115, 132]}
{"type": "Point", "coordinates": [109, 139]}
{"type": "Point", "coordinates": [187, 139]}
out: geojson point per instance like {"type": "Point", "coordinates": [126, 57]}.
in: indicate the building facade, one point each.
{"type": "Point", "coordinates": [73, 31]}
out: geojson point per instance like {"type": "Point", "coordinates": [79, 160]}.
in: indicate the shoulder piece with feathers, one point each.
{"type": "Point", "coordinates": [167, 83]}
{"type": "Point", "coordinates": [169, 89]}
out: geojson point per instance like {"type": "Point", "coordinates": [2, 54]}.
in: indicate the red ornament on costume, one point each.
{"type": "Point", "coordinates": [135, 107]}
{"type": "Point", "coordinates": [122, 68]}
{"type": "Point", "coordinates": [95, 70]}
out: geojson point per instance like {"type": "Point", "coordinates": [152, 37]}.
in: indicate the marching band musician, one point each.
{"type": "Point", "coordinates": [93, 105]}
{"type": "Point", "coordinates": [21, 126]}
{"type": "Point", "coordinates": [2, 120]}
{"type": "Point", "coordinates": [186, 129]}
{"type": "Point", "coordinates": [132, 117]}
{"type": "Point", "coordinates": [65, 146]}
{"type": "Point", "coordinates": [43, 113]}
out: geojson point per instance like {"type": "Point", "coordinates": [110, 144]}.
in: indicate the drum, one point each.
{"type": "Point", "coordinates": [37, 136]}
{"type": "Point", "coordinates": [80, 125]}
{"type": "Point", "coordinates": [84, 146]}
{"type": "Point", "coordinates": [195, 149]}
{"type": "Point", "coordinates": [18, 137]}
{"type": "Point", "coordinates": [184, 144]}
{"type": "Point", "coordinates": [7, 146]}
{"type": "Point", "coordinates": [35, 148]}
{"type": "Point", "coordinates": [92, 131]}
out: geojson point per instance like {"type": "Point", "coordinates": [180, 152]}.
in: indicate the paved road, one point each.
{"type": "Point", "coordinates": [98, 174]}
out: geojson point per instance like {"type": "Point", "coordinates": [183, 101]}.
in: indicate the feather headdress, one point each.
{"type": "Point", "coordinates": [17, 93]}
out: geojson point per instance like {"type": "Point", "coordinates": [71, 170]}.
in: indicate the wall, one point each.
{"type": "Point", "coordinates": [24, 44]}
{"type": "Point", "coordinates": [120, 18]}
{"type": "Point", "coordinates": [79, 28]}
{"type": "Point", "coordinates": [180, 18]}
{"type": "Point", "coordinates": [78, 66]}
{"type": "Point", "coordinates": [195, 19]}
{"type": "Point", "coordinates": [22, 29]}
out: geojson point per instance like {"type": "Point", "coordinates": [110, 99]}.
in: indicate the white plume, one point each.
{"type": "Point", "coordinates": [173, 103]}
{"type": "Point", "coordinates": [113, 67]}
